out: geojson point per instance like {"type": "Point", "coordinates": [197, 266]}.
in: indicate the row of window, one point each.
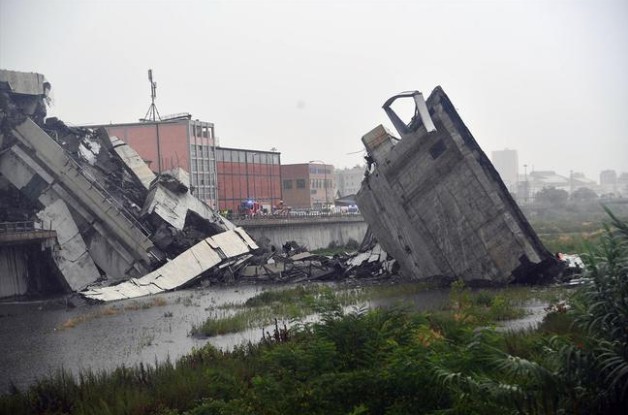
{"type": "Point", "coordinates": [201, 151]}
{"type": "Point", "coordinates": [320, 170]}
{"type": "Point", "coordinates": [300, 183]}
{"type": "Point", "coordinates": [320, 184]}
{"type": "Point", "coordinates": [200, 166]}
{"type": "Point", "coordinates": [240, 156]}
{"type": "Point", "coordinates": [206, 193]}
{"type": "Point", "coordinates": [201, 131]}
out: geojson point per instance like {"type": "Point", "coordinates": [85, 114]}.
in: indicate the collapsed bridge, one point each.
{"type": "Point", "coordinates": [435, 202]}
{"type": "Point", "coordinates": [114, 219]}
{"type": "Point", "coordinates": [435, 206]}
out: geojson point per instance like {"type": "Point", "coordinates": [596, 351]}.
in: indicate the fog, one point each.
{"type": "Point", "coordinates": [547, 78]}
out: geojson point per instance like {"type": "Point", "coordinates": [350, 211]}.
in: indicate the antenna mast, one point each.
{"type": "Point", "coordinates": [152, 114]}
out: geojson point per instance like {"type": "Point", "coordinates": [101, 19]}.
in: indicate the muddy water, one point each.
{"type": "Point", "coordinates": [38, 338]}
{"type": "Point", "coordinates": [35, 343]}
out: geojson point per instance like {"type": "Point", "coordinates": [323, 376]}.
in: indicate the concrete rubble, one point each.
{"type": "Point", "coordinates": [121, 230]}
{"type": "Point", "coordinates": [116, 222]}
{"type": "Point", "coordinates": [435, 203]}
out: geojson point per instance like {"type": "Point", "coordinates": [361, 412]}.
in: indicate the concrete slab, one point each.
{"type": "Point", "coordinates": [133, 161]}
{"type": "Point", "coordinates": [435, 202]}
{"type": "Point", "coordinates": [227, 247]}
{"type": "Point", "coordinates": [72, 257]}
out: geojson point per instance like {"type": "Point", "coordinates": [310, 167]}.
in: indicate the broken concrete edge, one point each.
{"type": "Point", "coordinates": [24, 83]}
{"type": "Point", "coordinates": [134, 164]}
{"type": "Point", "coordinates": [488, 166]}
{"type": "Point", "coordinates": [104, 190]}
{"type": "Point", "coordinates": [221, 250]}
{"type": "Point", "coordinates": [381, 147]}
{"type": "Point", "coordinates": [72, 256]}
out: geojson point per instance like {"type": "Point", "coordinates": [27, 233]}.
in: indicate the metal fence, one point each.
{"type": "Point", "coordinates": [18, 227]}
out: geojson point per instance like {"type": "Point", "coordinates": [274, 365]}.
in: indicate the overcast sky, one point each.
{"type": "Point", "coordinates": [547, 78]}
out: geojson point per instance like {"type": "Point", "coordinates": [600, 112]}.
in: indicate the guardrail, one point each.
{"type": "Point", "coordinates": [24, 231]}
{"type": "Point", "coordinates": [269, 220]}
{"type": "Point", "coordinates": [18, 227]}
{"type": "Point", "coordinates": [295, 216]}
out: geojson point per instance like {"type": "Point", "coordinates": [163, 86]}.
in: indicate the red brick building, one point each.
{"type": "Point", "coordinates": [177, 142]}
{"type": "Point", "coordinates": [248, 175]}
{"type": "Point", "coordinates": [308, 186]}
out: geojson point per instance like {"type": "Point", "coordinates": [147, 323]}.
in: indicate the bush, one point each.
{"type": "Point", "coordinates": [352, 245]}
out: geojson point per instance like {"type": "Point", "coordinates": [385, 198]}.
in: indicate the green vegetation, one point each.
{"type": "Point", "coordinates": [392, 361]}
{"type": "Point", "coordinates": [573, 227]}
{"type": "Point", "coordinates": [336, 249]}
{"type": "Point", "coordinates": [264, 308]}
{"type": "Point", "coordinates": [298, 302]}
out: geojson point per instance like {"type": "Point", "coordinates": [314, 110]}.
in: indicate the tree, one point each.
{"type": "Point", "coordinates": [552, 196]}
{"type": "Point", "coordinates": [584, 194]}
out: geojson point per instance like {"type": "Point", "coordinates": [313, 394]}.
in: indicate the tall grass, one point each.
{"type": "Point", "coordinates": [261, 310]}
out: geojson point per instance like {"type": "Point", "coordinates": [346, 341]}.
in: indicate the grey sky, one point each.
{"type": "Point", "coordinates": [548, 78]}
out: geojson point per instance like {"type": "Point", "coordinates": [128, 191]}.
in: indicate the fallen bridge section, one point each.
{"type": "Point", "coordinates": [436, 204]}
{"type": "Point", "coordinates": [218, 251]}
{"type": "Point", "coordinates": [31, 177]}
{"type": "Point", "coordinates": [113, 218]}
{"type": "Point", "coordinates": [123, 226]}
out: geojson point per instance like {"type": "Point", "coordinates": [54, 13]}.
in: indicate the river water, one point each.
{"type": "Point", "coordinates": [37, 338]}
{"type": "Point", "coordinates": [35, 343]}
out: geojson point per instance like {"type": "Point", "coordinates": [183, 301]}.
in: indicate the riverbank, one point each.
{"type": "Point", "coordinates": [41, 337]}
{"type": "Point", "coordinates": [338, 361]}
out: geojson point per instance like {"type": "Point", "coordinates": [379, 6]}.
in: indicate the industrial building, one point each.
{"type": "Point", "coordinates": [308, 185]}
{"type": "Point", "coordinates": [175, 142]}
{"type": "Point", "coordinates": [248, 175]}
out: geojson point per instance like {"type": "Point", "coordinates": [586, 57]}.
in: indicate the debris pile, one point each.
{"type": "Point", "coordinates": [121, 230]}
{"type": "Point", "coordinates": [435, 202]}
{"type": "Point", "coordinates": [432, 199]}
{"type": "Point", "coordinates": [115, 220]}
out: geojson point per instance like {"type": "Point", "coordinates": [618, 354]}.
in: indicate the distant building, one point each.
{"type": "Point", "coordinates": [538, 180]}
{"type": "Point", "coordinates": [622, 184]}
{"type": "Point", "coordinates": [308, 185]}
{"type": "Point", "coordinates": [177, 142]}
{"type": "Point", "coordinates": [506, 163]}
{"type": "Point", "coordinates": [248, 175]}
{"type": "Point", "coordinates": [608, 181]}
{"type": "Point", "coordinates": [348, 180]}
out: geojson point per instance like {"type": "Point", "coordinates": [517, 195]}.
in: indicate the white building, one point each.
{"type": "Point", "coordinates": [348, 180]}
{"type": "Point", "coordinates": [506, 163]}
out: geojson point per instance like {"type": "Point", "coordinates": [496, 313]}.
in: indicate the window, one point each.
{"type": "Point", "coordinates": [300, 183]}
{"type": "Point", "coordinates": [287, 184]}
